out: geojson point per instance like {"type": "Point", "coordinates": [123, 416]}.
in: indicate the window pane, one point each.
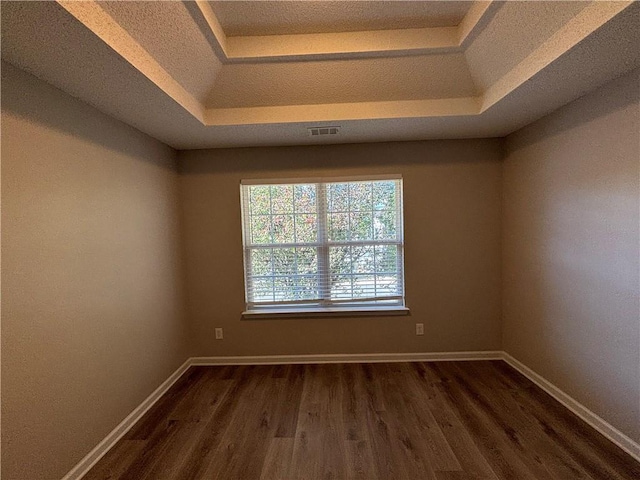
{"type": "Point", "coordinates": [363, 286]}
{"type": "Point", "coordinates": [384, 225]}
{"type": "Point", "coordinates": [337, 197]}
{"type": "Point", "coordinates": [340, 272]}
{"type": "Point", "coordinates": [284, 261]}
{"type": "Point", "coordinates": [306, 228]}
{"type": "Point", "coordinates": [293, 271]}
{"type": "Point", "coordinates": [361, 226]}
{"type": "Point", "coordinates": [283, 230]}
{"type": "Point", "coordinates": [362, 259]}
{"type": "Point", "coordinates": [341, 287]}
{"type": "Point", "coordinates": [259, 200]}
{"type": "Point", "coordinates": [338, 227]}
{"type": "Point", "coordinates": [307, 260]}
{"type": "Point", "coordinates": [305, 198]}
{"type": "Point", "coordinates": [360, 197]}
{"type": "Point", "coordinates": [262, 289]}
{"type": "Point", "coordinates": [282, 198]}
{"type": "Point", "coordinates": [340, 260]}
{"type": "Point", "coordinates": [306, 288]}
{"type": "Point", "coordinates": [261, 261]}
{"type": "Point", "coordinates": [295, 287]}
{"type": "Point", "coordinates": [261, 229]}
{"type": "Point", "coordinates": [387, 285]}
{"type": "Point", "coordinates": [284, 289]}
{"type": "Point", "coordinates": [384, 194]}
{"type": "Point", "coordinates": [386, 258]}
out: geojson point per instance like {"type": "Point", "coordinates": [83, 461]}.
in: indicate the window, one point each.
{"type": "Point", "coordinates": [322, 245]}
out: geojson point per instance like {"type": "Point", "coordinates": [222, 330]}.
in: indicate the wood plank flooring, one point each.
{"type": "Point", "coordinates": [432, 421]}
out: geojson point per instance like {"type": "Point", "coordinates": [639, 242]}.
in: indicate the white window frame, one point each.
{"type": "Point", "coordinates": [390, 305]}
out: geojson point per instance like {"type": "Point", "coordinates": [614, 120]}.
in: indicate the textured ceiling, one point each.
{"type": "Point", "coordinates": [311, 83]}
{"type": "Point", "coordinates": [167, 31]}
{"type": "Point", "coordinates": [243, 18]}
{"type": "Point", "coordinates": [168, 69]}
{"type": "Point", "coordinates": [494, 53]}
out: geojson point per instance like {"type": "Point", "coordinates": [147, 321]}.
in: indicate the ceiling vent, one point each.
{"type": "Point", "coordinates": [319, 131]}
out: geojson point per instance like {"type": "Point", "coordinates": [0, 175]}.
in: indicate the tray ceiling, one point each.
{"type": "Point", "coordinates": [246, 18]}
{"type": "Point", "coordinates": [217, 74]}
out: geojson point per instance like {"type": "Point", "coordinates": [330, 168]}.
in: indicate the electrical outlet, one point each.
{"type": "Point", "coordinates": [419, 328]}
{"type": "Point", "coordinates": [218, 334]}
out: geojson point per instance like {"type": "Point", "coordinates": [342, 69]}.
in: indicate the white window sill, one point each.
{"type": "Point", "coordinates": [326, 312]}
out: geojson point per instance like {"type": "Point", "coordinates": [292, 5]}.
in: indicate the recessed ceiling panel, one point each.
{"type": "Point", "coordinates": [240, 18]}
{"type": "Point", "coordinates": [318, 82]}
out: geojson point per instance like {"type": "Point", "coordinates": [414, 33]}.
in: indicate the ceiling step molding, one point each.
{"type": "Point", "coordinates": [357, 44]}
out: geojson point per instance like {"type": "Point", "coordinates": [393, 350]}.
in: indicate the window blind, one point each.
{"type": "Point", "coordinates": [323, 243]}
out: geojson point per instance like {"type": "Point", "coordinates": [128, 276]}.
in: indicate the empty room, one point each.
{"type": "Point", "coordinates": [332, 240]}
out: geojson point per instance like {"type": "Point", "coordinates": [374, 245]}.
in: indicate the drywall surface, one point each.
{"type": "Point", "coordinates": [572, 247]}
{"type": "Point", "coordinates": [167, 31]}
{"type": "Point", "coordinates": [92, 308]}
{"type": "Point", "coordinates": [290, 18]}
{"type": "Point", "coordinates": [494, 53]}
{"type": "Point", "coordinates": [452, 194]}
{"type": "Point", "coordinates": [361, 80]}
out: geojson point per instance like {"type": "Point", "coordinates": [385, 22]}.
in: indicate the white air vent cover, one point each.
{"type": "Point", "coordinates": [318, 131]}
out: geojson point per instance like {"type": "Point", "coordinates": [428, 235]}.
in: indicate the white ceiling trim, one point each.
{"type": "Point", "coordinates": [331, 46]}
{"type": "Point", "coordinates": [474, 21]}
{"type": "Point", "coordinates": [444, 107]}
{"type": "Point", "coordinates": [218, 35]}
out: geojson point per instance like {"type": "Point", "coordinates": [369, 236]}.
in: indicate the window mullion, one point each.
{"type": "Point", "coordinates": [324, 282]}
{"type": "Point", "coordinates": [373, 247]}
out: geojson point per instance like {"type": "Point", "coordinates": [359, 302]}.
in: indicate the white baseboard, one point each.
{"type": "Point", "coordinates": [117, 433]}
{"type": "Point", "coordinates": [347, 358]}
{"type": "Point", "coordinates": [602, 426]}
{"type": "Point", "coordinates": [617, 437]}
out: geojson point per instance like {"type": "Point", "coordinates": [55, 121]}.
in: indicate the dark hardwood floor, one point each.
{"type": "Point", "coordinates": [431, 421]}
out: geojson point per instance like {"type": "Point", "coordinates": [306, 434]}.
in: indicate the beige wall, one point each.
{"type": "Point", "coordinates": [572, 248]}
{"type": "Point", "coordinates": [92, 311]}
{"type": "Point", "coordinates": [452, 193]}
